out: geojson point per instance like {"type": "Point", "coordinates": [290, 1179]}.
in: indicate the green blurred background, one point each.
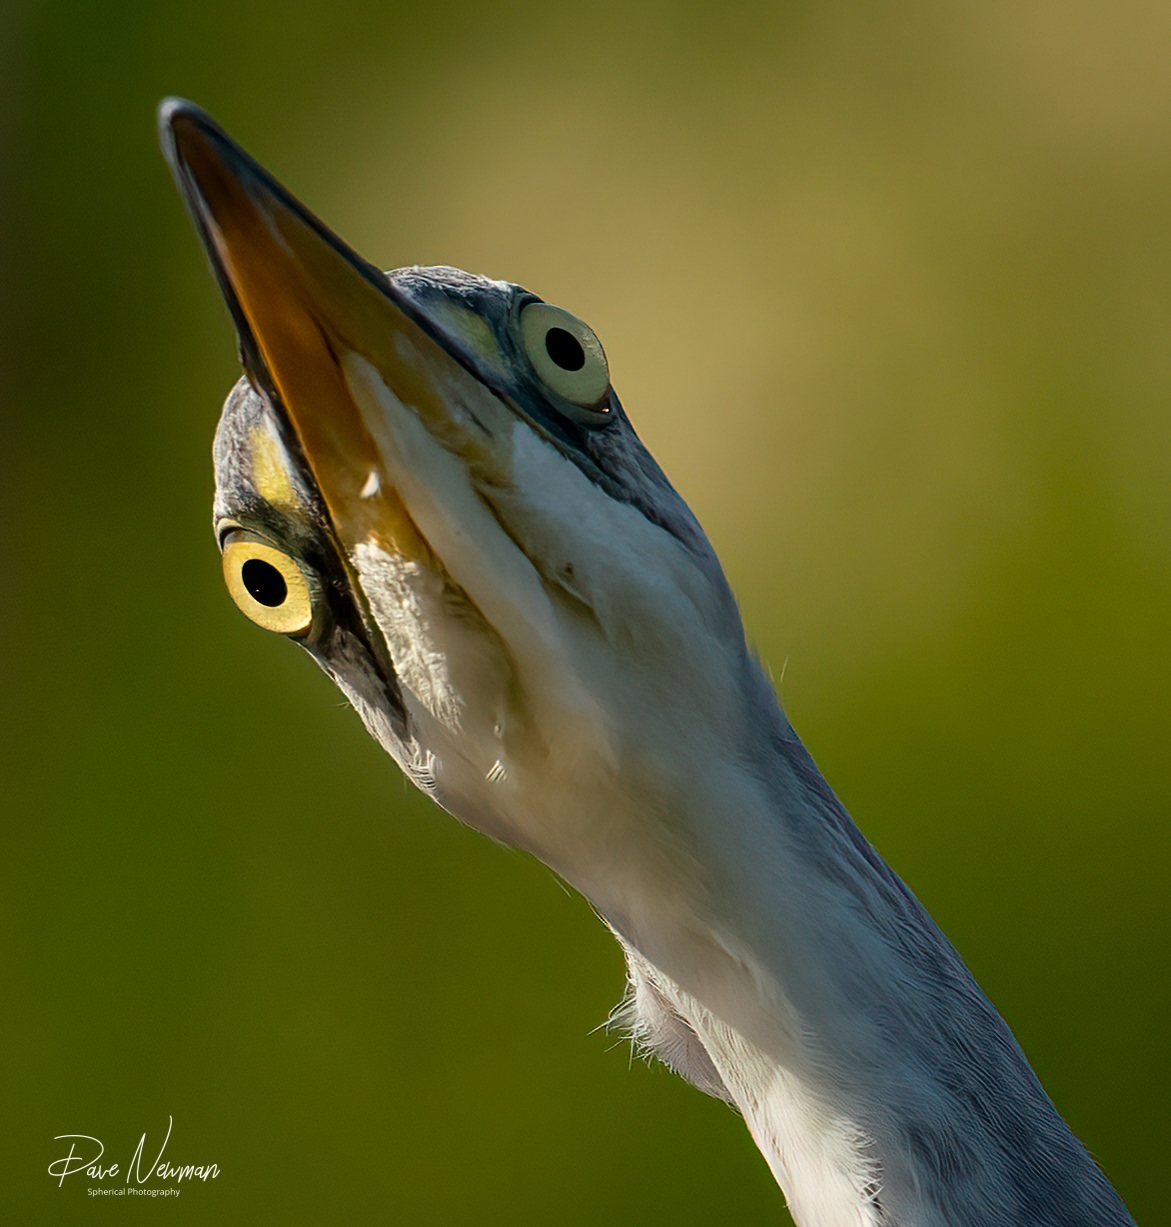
{"type": "Point", "coordinates": [886, 290]}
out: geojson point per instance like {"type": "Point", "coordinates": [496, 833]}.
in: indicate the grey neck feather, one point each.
{"type": "Point", "coordinates": [884, 1040]}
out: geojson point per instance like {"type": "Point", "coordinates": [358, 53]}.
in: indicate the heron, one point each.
{"type": "Point", "coordinates": [426, 479]}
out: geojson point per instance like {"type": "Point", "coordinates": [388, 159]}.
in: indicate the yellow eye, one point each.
{"type": "Point", "coordinates": [567, 357]}
{"type": "Point", "coordinates": [268, 585]}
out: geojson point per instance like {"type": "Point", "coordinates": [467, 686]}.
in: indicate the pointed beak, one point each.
{"type": "Point", "coordinates": [305, 306]}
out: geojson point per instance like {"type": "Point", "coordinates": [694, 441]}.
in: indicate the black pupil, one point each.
{"type": "Point", "coordinates": [565, 349]}
{"type": "Point", "coordinates": [264, 582]}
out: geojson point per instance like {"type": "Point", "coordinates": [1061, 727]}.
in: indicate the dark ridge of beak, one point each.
{"type": "Point", "coordinates": [268, 250]}
{"type": "Point", "coordinates": [186, 134]}
{"type": "Point", "coordinates": [300, 297]}
{"type": "Point", "coordinates": [214, 174]}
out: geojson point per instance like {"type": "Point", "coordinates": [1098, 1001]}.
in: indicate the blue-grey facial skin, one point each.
{"type": "Point", "coordinates": [610, 454]}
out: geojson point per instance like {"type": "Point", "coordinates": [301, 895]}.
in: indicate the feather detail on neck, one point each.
{"type": "Point", "coordinates": [879, 1082]}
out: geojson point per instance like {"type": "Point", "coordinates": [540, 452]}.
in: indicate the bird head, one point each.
{"type": "Point", "coordinates": [427, 480]}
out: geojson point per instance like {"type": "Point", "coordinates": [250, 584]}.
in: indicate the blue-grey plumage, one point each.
{"type": "Point", "coordinates": [427, 480]}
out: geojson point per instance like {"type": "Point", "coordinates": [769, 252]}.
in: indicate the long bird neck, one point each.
{"type": "Point", "coordinates": [784, 966]}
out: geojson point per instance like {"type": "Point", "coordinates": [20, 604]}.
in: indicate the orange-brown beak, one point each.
{"type": "Point", "coordinates": [305, 305]}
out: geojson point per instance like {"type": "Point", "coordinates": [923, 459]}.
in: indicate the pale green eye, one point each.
{"type": "Point", "coordinates": [567, 357]}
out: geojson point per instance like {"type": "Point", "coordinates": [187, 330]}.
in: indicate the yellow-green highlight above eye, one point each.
{"type": "Point", "coordinates": [270, 469]}
{"type": "Point", "coordinates": [472, 331]}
